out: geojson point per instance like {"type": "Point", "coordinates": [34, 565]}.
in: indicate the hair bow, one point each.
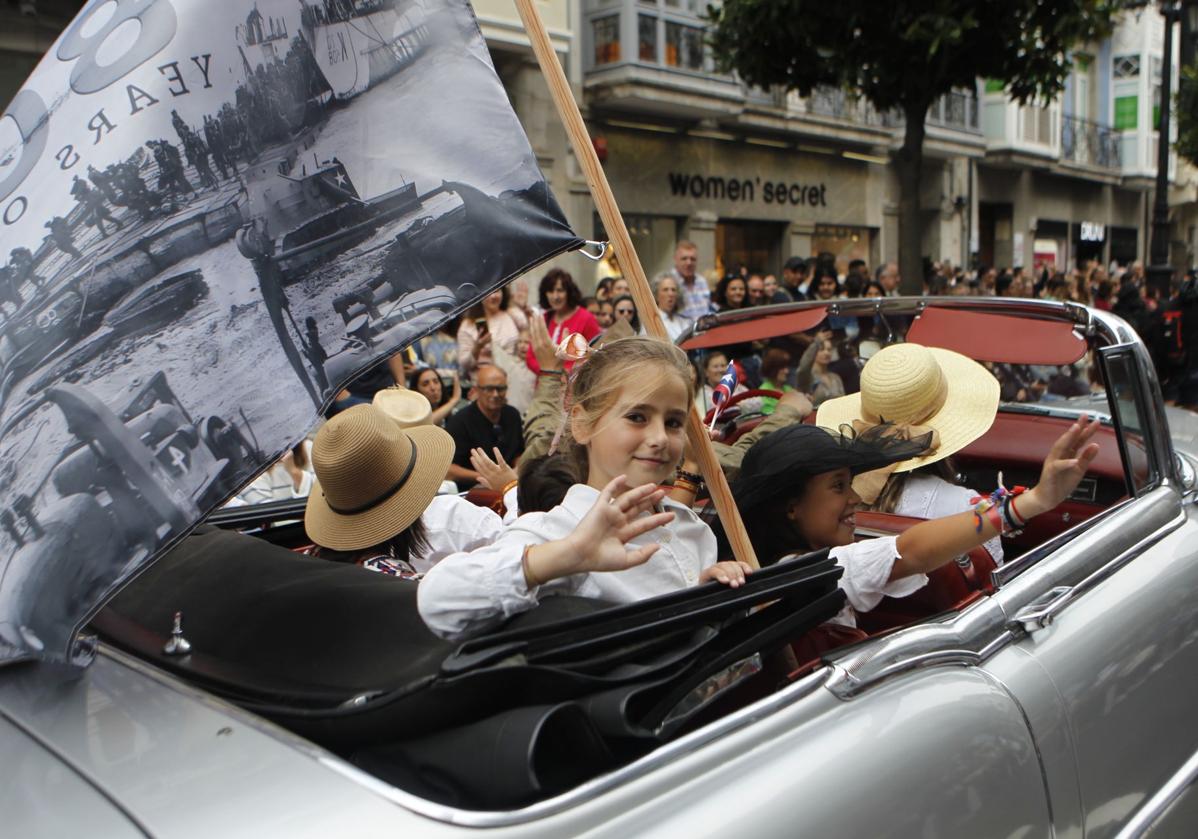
{"type": "Point", "coordinates": [869, 485]}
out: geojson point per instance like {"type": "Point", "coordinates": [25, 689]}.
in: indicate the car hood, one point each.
{"type": "Point", "coordinates": [207, 236]}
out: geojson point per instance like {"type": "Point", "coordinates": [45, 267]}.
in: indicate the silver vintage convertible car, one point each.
{"type": "Point", "coordinates": [239, 688]}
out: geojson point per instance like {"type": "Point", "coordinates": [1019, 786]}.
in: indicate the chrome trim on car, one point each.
{"type": "Point", "coordinates": [986, 626]}
{"type": "Point", "coordinates": [1145, 818]}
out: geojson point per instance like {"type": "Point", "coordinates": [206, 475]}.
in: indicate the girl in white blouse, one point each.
{"type": "Point", "coordinates": [614, 537]}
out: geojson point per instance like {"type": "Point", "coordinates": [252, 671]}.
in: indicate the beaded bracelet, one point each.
{"type": "Point", "coordinates": [551, 372]}
{"type": "Point", "coordinates": [692, 477]}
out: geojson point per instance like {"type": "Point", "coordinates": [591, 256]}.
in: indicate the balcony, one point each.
{"type": "Point", "coordinates": [1087, 143]}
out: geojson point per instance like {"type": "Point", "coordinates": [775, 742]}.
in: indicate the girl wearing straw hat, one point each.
{"type": "Point", "coordinates": [375, 502]}
{"type": "Point", "coordinates": [795, 491]}
{"type": "Point", "coordinates": [920, 390]}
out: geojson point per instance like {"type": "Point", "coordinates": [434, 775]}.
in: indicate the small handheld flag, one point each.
{"type": "Point", "coordinates": [723, 391]}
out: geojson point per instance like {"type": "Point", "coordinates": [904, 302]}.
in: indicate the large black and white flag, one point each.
{"type": "Point", "coordinates": [213, 213]}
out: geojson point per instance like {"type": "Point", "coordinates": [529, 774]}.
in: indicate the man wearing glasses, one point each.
{"type": "Point", "coordinates": [488, 422]}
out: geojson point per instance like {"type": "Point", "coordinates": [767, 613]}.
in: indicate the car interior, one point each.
{"type": "Point", "coordinates": [574, 688]}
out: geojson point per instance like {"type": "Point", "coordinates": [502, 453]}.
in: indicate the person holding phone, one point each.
{"type": "Point", "coordinates": [485, 325]}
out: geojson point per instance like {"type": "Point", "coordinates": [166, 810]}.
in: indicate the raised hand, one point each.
{"type": "Point", "coordinates": [599, 541]}
{"type": "Point", "coordinates": [492, 474]}
{"type": "Point", "coordinates": [1064, 467]}
{"type": "Point", "coordinates": [543, 348]}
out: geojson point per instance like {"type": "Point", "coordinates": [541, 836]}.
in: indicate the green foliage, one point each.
{"type": "Point", "coordinates": [1187, 115]}
{"type": "Point", "coordinates": [905, 53]}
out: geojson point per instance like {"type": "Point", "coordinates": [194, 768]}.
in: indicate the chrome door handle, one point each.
{"type": "Point", "coordinates": [1042, 611]}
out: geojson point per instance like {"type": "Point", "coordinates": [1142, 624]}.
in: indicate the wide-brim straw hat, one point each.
{"type": "Point", "coordinates": [373, 478]}
{"type": "Point", "coordinates": [409, 408]}
{"type": "Point", "coordinates": [924, 387]}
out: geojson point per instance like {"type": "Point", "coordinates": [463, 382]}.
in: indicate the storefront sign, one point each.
{"type": "Point", "coordinates": [1092, 231]}
{"type": "Point", "coordinates": [717, 187]}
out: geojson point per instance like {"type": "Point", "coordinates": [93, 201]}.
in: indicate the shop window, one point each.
{"type": "Point", "coordinates": [606, 34]}
{"type": "Point", "coordinates": [646, 27]}
{"type": "Point", "coordinates": [684, 46]}
{"type": "Point", "coordinates": [1127, 110]}
{"type": "Point", "coordinates": [1126, 66]}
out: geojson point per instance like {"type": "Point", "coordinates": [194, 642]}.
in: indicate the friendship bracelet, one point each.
{"type": "Point", "coordinates": [529, 578]}
{"type": "Point", "coordinates": [688, 486]}
{"type": "Point", "coordinates": [507, 486]}
{"type": "Point", "coordinates": [692, 477]}
{"type": "Point", "coordinates": [551, 372]}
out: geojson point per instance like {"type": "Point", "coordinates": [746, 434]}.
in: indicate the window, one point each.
{"type": "Point", "coordinates": [1127, 110]}
{"type": "Point", "coordinates": [1121, 373]}
{"type": "Point", "coordinates": [646, 28]}
{"type": "Point", "coordinates": [606, 33]}
{"type": "Point", "coordinates": [684, 46]}
{"type": "Point", "coordinates": [1126, 66]}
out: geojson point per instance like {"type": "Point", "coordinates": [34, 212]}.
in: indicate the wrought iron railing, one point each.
{"type": "Point", "coordinates": [1090, 143]}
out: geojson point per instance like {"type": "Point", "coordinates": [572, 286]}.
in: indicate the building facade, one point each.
{"type": "Point", "coordinates": [755, 176]}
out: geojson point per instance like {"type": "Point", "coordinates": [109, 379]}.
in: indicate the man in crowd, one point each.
{"type": "Point", "coordinates": [487, 423]}
{"type": "Point", "coordinates": [794, 281]}
{"type": "Point", "coordinates": [696, 295]}
{"type": "Point", "coordinates": [755, 286]}
{"type": "Point", "coordinates": [889, 278]}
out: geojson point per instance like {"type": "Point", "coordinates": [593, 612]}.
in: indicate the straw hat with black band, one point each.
{"type": "Point", "coordinates": [918, 389]}
{"type": "Point", "coordinates": [374, 478]}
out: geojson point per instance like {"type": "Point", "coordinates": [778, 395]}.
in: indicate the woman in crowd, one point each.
{"type": "Point", "coordinates": [795, 491]}
{"type": "Point", "coordinates": [824, 284]}
{"type": "Point", "coordinates": [376, 503]}
{"type": "Point", "coordinates": [561, 304]}
{"type": "Point", "coordinates": [873, 288]}
{"type": "Point", "coordinates": [813, 376]}
{"type": "Point", "coordinates": [669, 301]}
{"type": "Point", "coordinates": [775, 373]}
{"type": "Point", "coordinates": [605, 540]}
{"type": "Point", "coordinates": [624, 308]}
{"type": "Point", "coordinates": [439, 349]}
{"type": "Point", "coordinates": [619, 287]}
{"type": "Point", "coordinates": [919, 390]}
{"type": "Point", "coordinates": [731, 293]}
{"type": "Point", "coordinates": [485, 324]}
{"type": "Point", "coordinates": [428, 382]}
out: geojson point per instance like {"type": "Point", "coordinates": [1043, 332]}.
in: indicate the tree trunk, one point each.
{"type": "Point", "coordinates": [909, 165]}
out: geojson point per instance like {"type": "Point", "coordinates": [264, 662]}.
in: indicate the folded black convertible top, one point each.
{"type": "Point", "coordinates": [340, 654]}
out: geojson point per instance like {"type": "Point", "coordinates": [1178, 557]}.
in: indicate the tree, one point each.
{"type": "Point", "coordinates": [1186, 111]}
{"type": "Point", "coordinates": [905, 54]}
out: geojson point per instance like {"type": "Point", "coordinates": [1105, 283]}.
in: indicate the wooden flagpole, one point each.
{"type": "Point", "coordinates": [642, 293]}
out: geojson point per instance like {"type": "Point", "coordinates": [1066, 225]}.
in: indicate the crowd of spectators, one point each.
{"type": "Point", "coordinates": [480, 371]}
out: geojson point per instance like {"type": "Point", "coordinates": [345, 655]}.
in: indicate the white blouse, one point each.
{"type": "Point", "coordinates": [452, 525]}
{"type": "Point", "coordinates": [866, 580]}
{"type": "Point", "coordinates": [471, 591]}
{"type": "Point", "coordinates": [930, 497]}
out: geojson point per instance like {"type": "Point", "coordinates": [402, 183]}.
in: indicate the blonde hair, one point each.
{"type": "Point", "coordinates": [606, 372]}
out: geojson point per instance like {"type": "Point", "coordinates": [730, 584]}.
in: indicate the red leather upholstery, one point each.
{"type": "Point", "coordinates": [949, 587]}
{"type": "Point", "coordinates": [490, 498]}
